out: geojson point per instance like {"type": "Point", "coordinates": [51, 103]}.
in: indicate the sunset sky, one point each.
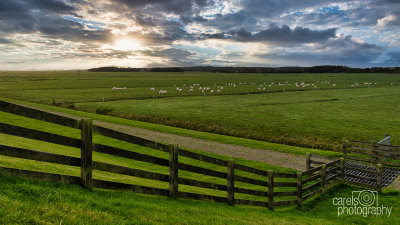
{"type": "Point", "coordinates": [80, 34]}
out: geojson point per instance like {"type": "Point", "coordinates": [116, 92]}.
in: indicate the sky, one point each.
{"type": "Point", "coordinates": [82, 34]}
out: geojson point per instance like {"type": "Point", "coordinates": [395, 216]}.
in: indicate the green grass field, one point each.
{"type": "Point", "coordinates": [36, 202]}
{"type": "Point", "coordinates": [303, 116]}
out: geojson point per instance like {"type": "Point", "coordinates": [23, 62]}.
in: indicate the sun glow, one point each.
{"type": "Point", "coordinates": [126, 45]}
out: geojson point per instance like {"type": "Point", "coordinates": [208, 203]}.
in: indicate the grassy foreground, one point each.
{"type": "Point", "coordinates": [35, 202]}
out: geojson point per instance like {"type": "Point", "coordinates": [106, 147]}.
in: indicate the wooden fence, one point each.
{"type": "Point", "coordinates": [387, 155]}
{"type": "Point", "coordinates": [279, 188]}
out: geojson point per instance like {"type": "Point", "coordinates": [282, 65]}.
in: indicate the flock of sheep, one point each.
{"type": "Point", "coordinates": [261, 88]}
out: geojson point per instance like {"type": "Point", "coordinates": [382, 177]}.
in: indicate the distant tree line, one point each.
{"type": "Point", "coordinates": [314, 69]}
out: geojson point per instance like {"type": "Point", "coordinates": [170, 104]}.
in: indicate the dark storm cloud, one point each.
{"type": "Point", "coordinates": [275, 34]}
{"type": "Point", "coordinates": [58, 27]}
{"type": "Point", "coordinates": [46, 16]}
{"type": "Point", "coordinates": [21, 15]}
{"type": "Point", "coordinates": [394, 57]}
{"type": "Point", "coordinates": [340, 51]}
{"type": "Point", "coordinates": [174, 6]}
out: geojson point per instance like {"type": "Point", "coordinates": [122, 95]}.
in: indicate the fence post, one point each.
{"type": "Point", "coordinates": [379, 176]}
{"type": "Point", "coordinates": [344, 148]}
{"type": "Point", "coordinates": [231, 182]}
{"type": "Point", "coordinates": [299, 189]}
{"type": "Point", "coordinates": [308, 158]}
{"type": "Point", "coordinates": [173, 171]}
{"type": "Point", "coordinates": [270, 189]}
{"type": "Point", "coordinates": [86, 152]}
{"type": "Point", "coordinates": [323, 178]}
{"type": "Point", "coordinates": [342, 169]}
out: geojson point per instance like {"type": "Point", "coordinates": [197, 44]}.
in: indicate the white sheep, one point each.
{"type": "Point", "coordinates": [152, 89]}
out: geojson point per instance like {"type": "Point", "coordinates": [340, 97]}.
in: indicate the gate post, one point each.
{"type": "Point", "coordinates": [86, 152]}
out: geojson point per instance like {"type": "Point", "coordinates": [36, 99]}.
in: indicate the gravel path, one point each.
{"type": "Point", "coordinates": [271, 157]}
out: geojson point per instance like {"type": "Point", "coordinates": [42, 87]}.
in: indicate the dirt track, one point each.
{"type": "Point", "coordinates": [271, 157]}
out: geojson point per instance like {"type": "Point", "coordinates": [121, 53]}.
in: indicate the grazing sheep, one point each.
{"type": "Point", "coordinates": [162, 92]}
{"type": "Point", "coordinates": [212, 91]}
{"type": "Point", "coordinates": [152, 89]}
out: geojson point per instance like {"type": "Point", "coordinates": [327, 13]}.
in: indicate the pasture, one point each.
{"type": "Point", "coordinates": [303, 116]}
{"type": "Point", "coordinates": [310, 110]}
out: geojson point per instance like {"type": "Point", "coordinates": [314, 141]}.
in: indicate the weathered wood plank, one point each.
{"type": "Point", "coordinates": [360, 159]}
{"type": "Point", "coordinates": [310, 171]}
{"type": "Point", "coordinates": [299, 190]}
{"type": "Point", "coordinates": [39, 135]}
{"type": "Point", "coordinates": [250, 170]}
{"type": "Point", "coordinates": [86, 152]}
{"type": "Point", "coordinates": [311, 178]}
{"type": "Point", "coordinates": [202, 157]}
{"type": "Point", "coordinates": [250, 181]}
{"type": "Point", "coordinates": [129, 171]}
{"type": "Point", "coordinates": [285, 193]}
{"type": "Point", "coordinates": [230, 182]}
{"type": "Point", "coordinates": [285, 184]}
{"type": "Point", "coordinates": [311, 186]}
{"type": "Point", "coordinates": [250, 202]}
{"type": "Point", "coordinates": [129, 138]}
{"type": "Point", "coordinates": [202, 184]}
{"type": "Point", "coordinates": [379, 176]}
{"type": "Point", "coordinates": [250, 191]}
{"type": "Point", "coordinates": [201, 197]}
{"type": "Point", "coordinates": [270, 182]}
{"type": "Point", "coordinates": [333, 163]}
{"type": "Point", "coordinates": [128, 187]}
{"type": "Point", "coordinates": [332, 170]}
{"type": "Point", "coordinates": [173, 171]}
{"type": "Point", "coordinates": [26, 111]}
{"type": "Point", "coordinates": [130, 155]}
{"type": "Point", "coordinates": [200, 170]}
{"type": "Point", "coordinates": [308, 158]}
{"type": "Point", "coordinates": [51, 177]}
{"type": "Point", "coordinates": [336, 176]}
{"type": "Point", "coordinates": [39, 156]}
{"type": "Point", "coordinates": [309, 195]}
{"type": "Point", "coordinates": [323, 178]}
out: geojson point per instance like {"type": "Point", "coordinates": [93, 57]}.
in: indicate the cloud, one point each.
{"type": "Point", "coordinates": [279, 35]}
{"type": "Point", "coordinates": [168, 6]}
{"type": "Point", "coordinates": [21, 15]}
{"type": "Point", "coordinates": [339, 51]}
{"type": "Point", "coordinates": [394, 57]}
{"type": "Point", "coordinates": [389, 20]}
